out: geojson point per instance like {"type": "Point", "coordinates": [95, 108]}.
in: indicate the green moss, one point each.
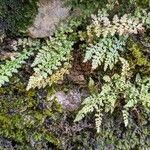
{"type": "Point", "coordinates": [17, 15]}
{"type": "Point", "coordinates": [87, 7]}
{"type": "Point", "coordinates": [137, 59]}
{"type": "Point", "coordinates": [114, 135]}
{"type": "Point", "coordinates": [22, 118]}
{"type": "Point", "coordinates": [25, 118]}
{"type": "Point", "coordinates": [140, 59]}
{"type": "Point", "coordinates": [143, 3]}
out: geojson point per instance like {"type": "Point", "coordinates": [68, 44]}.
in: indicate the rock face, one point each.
{"type": "Point", "coordinates": [50, 13]}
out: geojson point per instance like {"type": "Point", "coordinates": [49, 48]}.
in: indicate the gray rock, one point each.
{"type": "Point", "coordinates": [71, 100]}
{"type": "Point", "coordinates": [50, 13]}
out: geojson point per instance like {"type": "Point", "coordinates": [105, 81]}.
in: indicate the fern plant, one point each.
{"type": "Point", "coordinates": [106, 101]}
{"type": "Point", "coordinates": [106, 51]}
{"type": "Point", "coordinates": [110, 37]}
{"type": "Point", "coordinates": [53, 56]}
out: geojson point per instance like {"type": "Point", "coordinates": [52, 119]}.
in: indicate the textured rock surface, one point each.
{"type": "Point", "coordinates": [72, 100]}
{"type": "Point", "coordinates": [50, 13]}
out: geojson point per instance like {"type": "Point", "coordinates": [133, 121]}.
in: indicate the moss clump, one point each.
{"type": "Point", "coordinates": [23, 116]}
{"type": "Point", "coordinates": [17, 15]}
{"type": "Point", "coordinates": [143, 3]}
{"type": "Point", "coordinates": [137, 59]}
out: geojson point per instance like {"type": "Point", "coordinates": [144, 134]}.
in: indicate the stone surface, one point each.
{"type": "Point", "coordinates": [71, 100]}
{"type": "Point", "coordinates": [50, 13]}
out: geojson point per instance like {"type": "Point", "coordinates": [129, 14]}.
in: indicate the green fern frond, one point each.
{"type": "Point", "coordinates": [50, 59]}
{"type": "Point", "coordinates": [53, 55]}
{"type": "Point", "coordinates": [12, 66]}
{"type": "Point", "coordinates": [104, 101]}
{"type": "Point", "coordinates": [106, 52]}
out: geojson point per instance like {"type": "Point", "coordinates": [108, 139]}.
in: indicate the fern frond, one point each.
{"type": "Point", "coordinates": [12, 66]}
{"type": "Point", "coordinates": [106, 52]}
{"type": "Point", "coordinates": [37, 80]}
{"type": "Point", "coordinates": [50, 59]}
{"type": "Point", "coordinates": [90, 103]}
{"type": "Point", "coordinates": [137, 94]}
{"type": "Point", "coordinates": [127, 24]}
{"type": "Point", "coordinates": [53, 55]}
{"type": "Point", "coordinates": [104, 101]}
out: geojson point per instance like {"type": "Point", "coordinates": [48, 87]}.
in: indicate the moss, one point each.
{"type": "Point", "coordinates": [16, 16]}
{"type": "Point", "coordinates": [137, 59]}
{"type": "Point", "coordinates": [22, 115]}
{"type": "Point", "coordinates": [114, 135]}
{"type": "Point", "coordinates": [24, 119]}
{"type": "Point", "coordinates": [143, 3]}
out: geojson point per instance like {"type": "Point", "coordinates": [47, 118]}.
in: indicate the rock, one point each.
{"type": "Point", "coordinates": [70, 101]}
{"type": "Point", "coordinates": [50, 13]}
